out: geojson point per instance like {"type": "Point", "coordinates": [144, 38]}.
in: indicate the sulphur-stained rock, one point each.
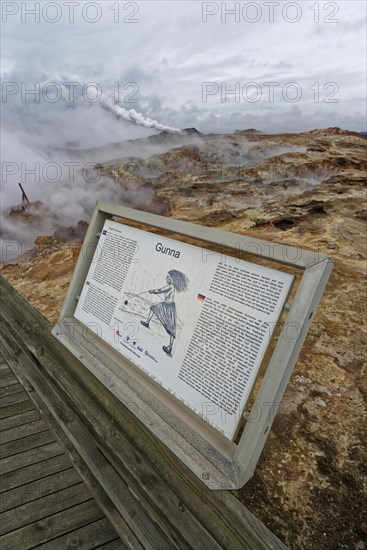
{"type": "Point", "coordinates": [72, 233]}
{"type": "Point", "coordinates": [44, 279]}
{"type": "Point", "coordinates": [45, 242]}
{"type": "Point", "coordinates": [305, 190]}
{"type": "Point", "coordinates": [31, 213]}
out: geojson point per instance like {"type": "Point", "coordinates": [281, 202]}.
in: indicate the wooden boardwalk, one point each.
{"type": "Point", "coordinates": [150, 498]}
{"type": "Point", "coordinates": [44, 503]}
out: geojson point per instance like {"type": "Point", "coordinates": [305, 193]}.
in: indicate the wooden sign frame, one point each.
{"type": "Point", "coordinates": [220, 463]}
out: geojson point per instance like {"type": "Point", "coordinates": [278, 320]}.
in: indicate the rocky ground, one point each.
{"type": "Point", "coordinates": [305, 190]}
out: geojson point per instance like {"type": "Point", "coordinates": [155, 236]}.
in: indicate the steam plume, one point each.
{"type": "Point", "coordinates": [135, 117]}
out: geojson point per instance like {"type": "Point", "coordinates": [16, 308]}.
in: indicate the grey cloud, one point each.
{"type": "Point", "coordinates": [169, 54]}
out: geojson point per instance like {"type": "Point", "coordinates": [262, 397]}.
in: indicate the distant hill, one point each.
{"type": "Point", "coordinates": [191, 131]}
{"type": "Point", "coordinates": [247, 131]}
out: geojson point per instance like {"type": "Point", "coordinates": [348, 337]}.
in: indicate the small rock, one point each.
{"type": "Point", "coordinates": [320, 402]}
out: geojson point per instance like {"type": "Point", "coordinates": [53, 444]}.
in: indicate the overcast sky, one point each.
{"type": "Point", "coordinates": [181, 67]}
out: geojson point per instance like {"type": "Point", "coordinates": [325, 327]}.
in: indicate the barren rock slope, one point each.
{"type": "Point", "coordinates": [306, 190]}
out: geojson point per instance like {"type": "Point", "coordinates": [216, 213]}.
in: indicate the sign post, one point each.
{"type": "Point", "coordinates": [179, 332]}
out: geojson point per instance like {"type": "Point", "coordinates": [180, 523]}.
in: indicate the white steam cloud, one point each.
{"type": "Point", "coordinates": [136, 118]}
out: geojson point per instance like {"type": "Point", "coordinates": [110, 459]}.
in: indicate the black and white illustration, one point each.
{"type": "Point", "coordinates": [159, 317]}
{"type": "Point", "coordinates": [165, 311]}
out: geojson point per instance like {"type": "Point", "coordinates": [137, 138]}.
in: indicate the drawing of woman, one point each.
{"type": "Point", "coordinates": [166, 311]}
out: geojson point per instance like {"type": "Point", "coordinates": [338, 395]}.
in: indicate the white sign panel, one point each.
{"type": "Point", "coordinates": [197, 322]}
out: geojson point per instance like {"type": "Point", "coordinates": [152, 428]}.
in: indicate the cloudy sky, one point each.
{"type": "Point", "coordinates": [291, 66]}
{"type": "Point", "coordinates": [110, 71]}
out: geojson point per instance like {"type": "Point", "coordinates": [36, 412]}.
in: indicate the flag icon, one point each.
{"type": "Point", "coordinates": [201, 297]}
{"type": "Point", "coordinates": [104, 232]}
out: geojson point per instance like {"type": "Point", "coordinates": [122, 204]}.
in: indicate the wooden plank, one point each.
{"type": "Point", "coordinates": [37, 489]}
{"type": "Point", "coordinates": [186, 510]}
{"type": "Point", "coordinates": [25, 443]}
{"type": "Point", "coordinates": [33, 472]}
{"type": "Point", "coordinates": [5, 372]}
{"type": "Point", "coordinates": [52, 527]}
{"type": "Point", "coordinates": [32, 456]}
{"type": "Point", "coordinates": [46, 506]}
{"type": "Point", "coordinates": [11, 389]}
{"type": "Point", "coordinates": [16, 409]}
{"type": "Point", "coordinates": [8, 381]}
{"type": "Point", "coordinates": [116, 544]}
{"type": "Point", "coordinates": [20, 419]}
{"type": "Point", "coordinates": [86, 538]}
{"type": "Point", "coordinates": [23, 430]}
{"type": "Point", "coordinates": [13, 399]}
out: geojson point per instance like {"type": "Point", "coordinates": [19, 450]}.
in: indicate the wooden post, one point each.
{"type": "Point", "coordinates": [25, 200]}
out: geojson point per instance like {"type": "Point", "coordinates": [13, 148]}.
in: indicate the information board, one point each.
{"type": "Point", "coordinates": [195, 321]}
